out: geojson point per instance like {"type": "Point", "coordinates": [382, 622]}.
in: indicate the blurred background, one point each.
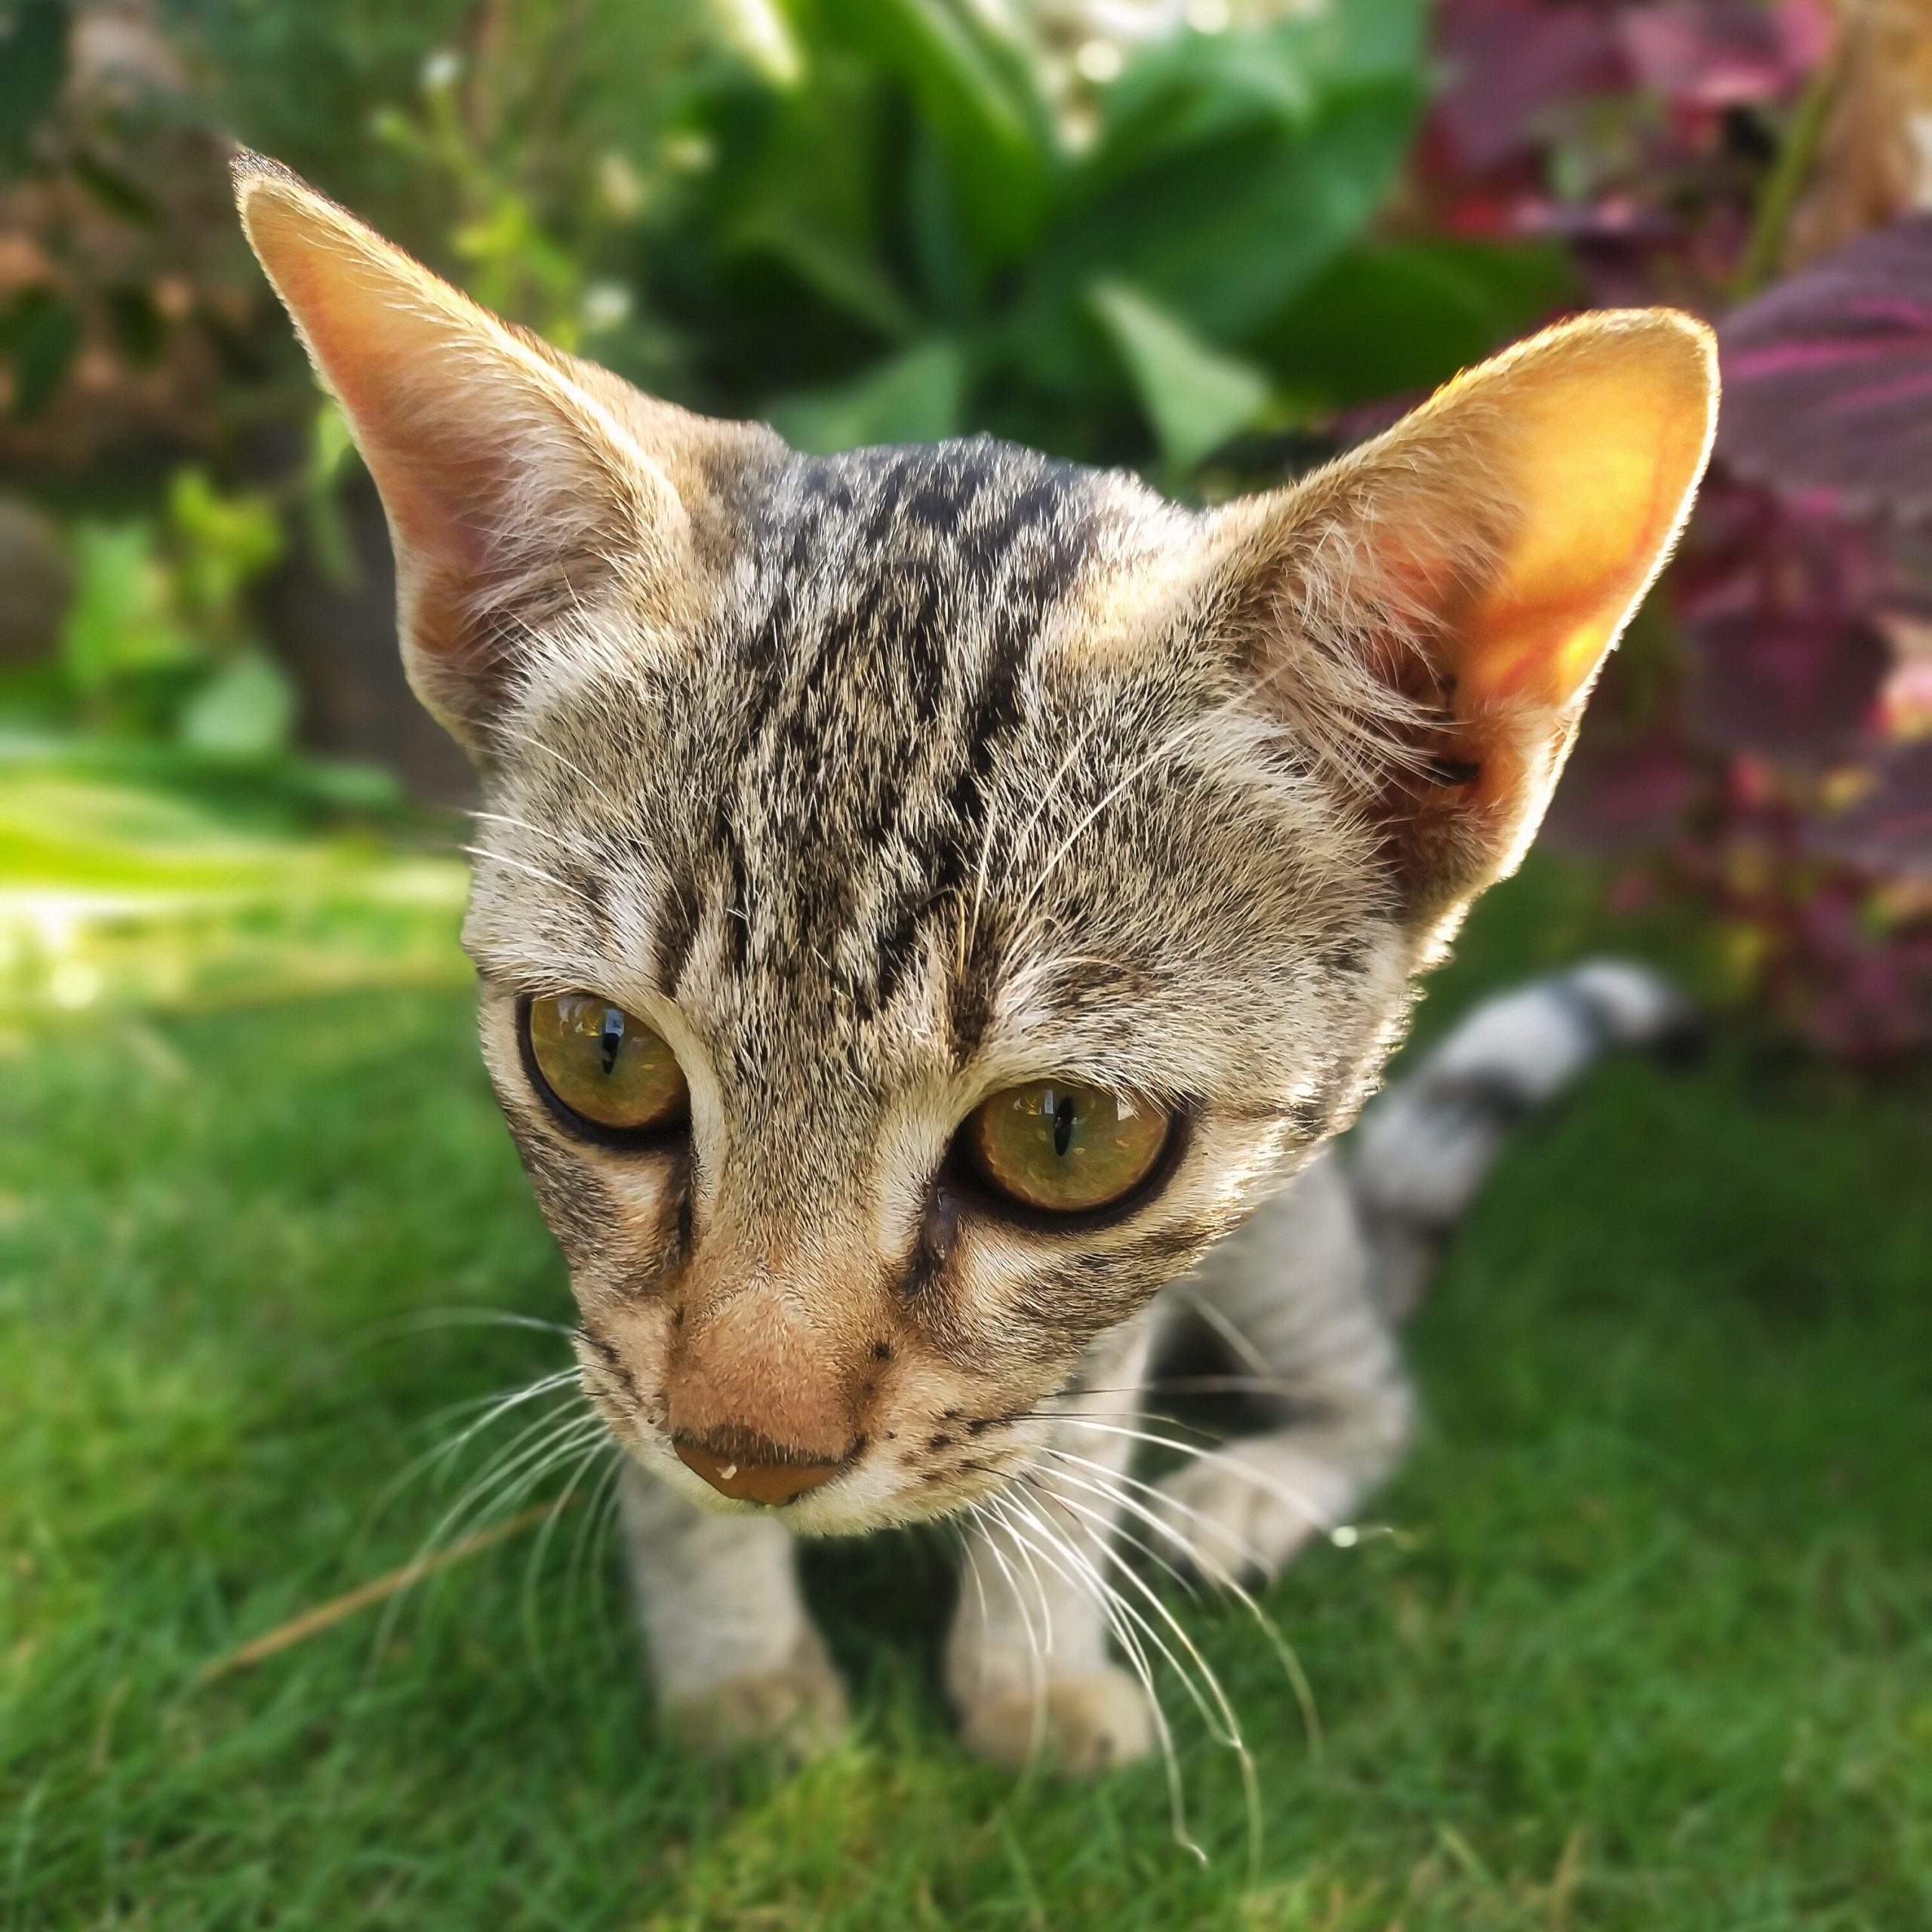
{"type": "Point", "coordinates": [1215, 241]}
{"type": "Point", "coordinates": [1648, 1645]}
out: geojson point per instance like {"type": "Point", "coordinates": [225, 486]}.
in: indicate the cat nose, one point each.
{"type": "Point", "coordinates": [751, 1468]}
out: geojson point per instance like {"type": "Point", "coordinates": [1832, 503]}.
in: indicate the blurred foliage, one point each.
{"type": "Point", "coordinates": [126, 879]}
{"type": "Point", "coordinates": [1214, 242]}
{"type": "Point", "coordinates": [1083, 273]}
{"type": "Point", "coordinates": [1757, 751]}
{"type": "Point", "coordinates": [160, 668]}
{"type": "Point", "coordinates": [871, 222]}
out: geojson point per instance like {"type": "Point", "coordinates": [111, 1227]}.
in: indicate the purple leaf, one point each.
{"type": "Point", "coordinates": [1828, 377]}
{"type": "Point", "coordinates": [1889, 829]}
{"type": "Point", "coordinates": [1725, 53]}
{"type": "Point", "coordinates": [1796, 688]}
{"type": "Point", "coordinates": [1620, 795]}
{"type": "Point", "coordinates": [1509, 62]}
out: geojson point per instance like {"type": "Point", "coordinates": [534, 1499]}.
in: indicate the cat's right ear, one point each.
{"type": "Point", "coordinates": [518, 482]}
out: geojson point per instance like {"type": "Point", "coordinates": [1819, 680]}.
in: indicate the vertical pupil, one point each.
{"type": "Point", "coordinates": [1062, 1123]}
{"type": "Point", "coordinates": [610, 1035]}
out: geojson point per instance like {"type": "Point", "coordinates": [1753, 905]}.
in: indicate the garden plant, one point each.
{"type": "Point", "coordinates": [1640, 1636]}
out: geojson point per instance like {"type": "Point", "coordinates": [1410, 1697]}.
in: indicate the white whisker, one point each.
{"type": "Point", "coordinates": [1167, 747]}
{"type": "Point", "coordinates": [579, 849]}
{"type": "Point", "coordinates": [1261, 1479]}
{"type": "Point", "coordinates": [1122, 1623]}
{"type": "Point", "coordinates": [1202, 1684]}
{"type": "Point", "coordinates": [1112, 1485]}
{"type": "Point", "coordinates": [502, 730]}
{"type": "Point", "coordinates": [1223, 1324]}
{"type": "Point", "coordinates": [484, 853]}
{"type": "Point", "coordinates": [602, 1445]}
{"type": "Point", "coordinates": [1036, 1650]}
{"type": "Point", "coordinates": [440, 1454]}
{"type": "Point", "coordinates": [503, 1483]}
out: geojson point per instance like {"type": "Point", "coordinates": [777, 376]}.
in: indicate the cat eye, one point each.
{"type": "Point", "coordinates": [604, 1065]}
{"type": "Point", "coordinates": [1063, 1147]}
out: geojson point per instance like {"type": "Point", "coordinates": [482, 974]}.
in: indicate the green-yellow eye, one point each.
{"type": "Point", "coordinates": [1065, 1147]}
{"type": "Point", "coordinates": [604, 1064]}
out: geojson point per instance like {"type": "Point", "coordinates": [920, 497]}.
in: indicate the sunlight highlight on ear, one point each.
{"type": "Point", "coordinates": [1428, 614]}
{"type": "Point", "coordinates": [1597, 433]}
{"type": "Point", "coordinates": [508, 470]}
{"type": "Point", "coordinates": [444, 399]}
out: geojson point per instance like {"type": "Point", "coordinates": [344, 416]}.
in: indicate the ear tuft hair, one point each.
{"type": "Point", "coordinates": [1427, 615]}
{"type": "Point", "coordinates": [520, 484]}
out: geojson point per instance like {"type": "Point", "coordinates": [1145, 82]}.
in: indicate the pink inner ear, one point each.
{"type": "Point", "coordinates": [432, 442]}
{"type": "Point", "coordinates": [1494, 544]}
{"type": "Point", "coordinates": [1598, 447]}
{"type": "Point", "coordinates": [1539, 633]}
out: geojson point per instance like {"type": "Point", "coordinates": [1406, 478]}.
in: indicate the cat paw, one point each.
{"type": "Point", "coordinates": [1093, 1722]}
{"type": "Point", "coordinates": [798, 1708]}
{"type": "Point", "coordinates": [1242, 1527]}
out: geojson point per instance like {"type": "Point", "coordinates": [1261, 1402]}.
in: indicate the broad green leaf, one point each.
{"type": "Point", "coordinates": [33, 62]}
{"type": "Point", "coordinates": [941, 250]}
{"type": "Point", "coordinates": [246, 711]}
{"type": "Point", "coordinates": [1185, 89]}
{"type": "Point", "coordinates": [1195, 397]}
{"type": "Point", "coordinates": [978, 102]}
{"type": "Point", "coordinates": [1390, 317]}
{"type": "Point", "coordinates": [915, 398]}
{"type": "Point", "coordinates": [809, 197]}
{"type": "Point", "coordinates": [1224, 237]}
{"type": "Point", "coordinates": [847, 277]}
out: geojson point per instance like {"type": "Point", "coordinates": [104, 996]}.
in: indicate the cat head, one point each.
{"type": "Point", "coordinates": [926, 892]}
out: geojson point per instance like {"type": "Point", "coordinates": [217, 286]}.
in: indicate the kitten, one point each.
{"type": "Point", "coordinates": [935, 895]}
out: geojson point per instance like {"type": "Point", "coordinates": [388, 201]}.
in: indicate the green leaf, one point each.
{"type": "Point", "coordinates": [845, 276]}
{"type": "Point", "coordinates": [121, 622]}
{"type": "Point", "coordinates": [1223, 233]}
{"type": "Point", "coordinates": [1184, 90]}
{"type": "Point", "coordinates": [33, 64]}
{"type": "Point", "coordinates": [1390, 317]}
{"type": "Point", "coordinates": [915, 398]}
{"type": "Point", "coordinates": [1195, 397]}
{"type": "Point", "coordinates": [40, 336]}
{"type": "Point", "coordinates": [221, 544]}
{"type": "Point", "coordinates": [809, 196]}
{"type": "Point", "coordinates": [975, 94]}
{"type": "Point", "coordinates": [246, 711]}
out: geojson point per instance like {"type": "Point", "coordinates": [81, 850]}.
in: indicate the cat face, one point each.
{"type": "Point", "coordinates": [924, 893]}
{"type": "Point", "coordinates": [889, 834]}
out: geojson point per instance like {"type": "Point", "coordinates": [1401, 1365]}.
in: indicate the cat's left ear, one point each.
{"type": "Point", "coordinates": [519, 483]}
{"type": "Point", "coordinates": [1428, 614]}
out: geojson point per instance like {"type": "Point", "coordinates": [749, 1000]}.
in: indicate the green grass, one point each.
{"type": "Point", "coordinates": [1653, 1647]}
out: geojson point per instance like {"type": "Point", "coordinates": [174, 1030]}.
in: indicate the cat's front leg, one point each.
{"type": "Point", "coordinates": [1291, 1293]}
{"type": "Point", "coordinates": [1027, 1664]}
{"type": "Point", "coordinates": [734, 1654]}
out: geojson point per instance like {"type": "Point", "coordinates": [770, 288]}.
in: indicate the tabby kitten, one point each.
{"type": "Point", "coordinates": [933, 894]}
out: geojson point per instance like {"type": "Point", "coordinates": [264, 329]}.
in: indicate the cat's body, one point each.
{"type": "Point", "coordinates": [1298, 1310]}
{"type": "Point", "coordinates": [884, 850]}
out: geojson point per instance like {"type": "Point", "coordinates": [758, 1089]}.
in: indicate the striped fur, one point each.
{"type": "Point", "coordinates": [878, 783]}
